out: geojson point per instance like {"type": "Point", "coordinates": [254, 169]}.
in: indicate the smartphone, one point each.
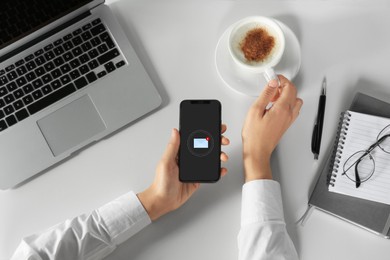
{"type": "Point", "coordinates": [200, 141]}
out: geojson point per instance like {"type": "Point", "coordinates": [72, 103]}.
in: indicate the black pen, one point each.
{"type": "Point", "coordinates": [317, 130]}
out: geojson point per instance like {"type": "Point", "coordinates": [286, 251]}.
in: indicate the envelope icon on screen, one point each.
{"type": "Point", "coordinates": [201, 143]}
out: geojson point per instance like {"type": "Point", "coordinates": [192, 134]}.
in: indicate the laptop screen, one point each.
{"type": "Point", "coordinates": [19, 18]}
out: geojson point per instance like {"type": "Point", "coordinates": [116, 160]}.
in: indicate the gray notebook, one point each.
{"type": "Point", "coordinates": [372, 216]}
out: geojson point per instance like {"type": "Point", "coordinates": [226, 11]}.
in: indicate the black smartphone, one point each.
{"type": "Point", "coordinates": [200, 141]}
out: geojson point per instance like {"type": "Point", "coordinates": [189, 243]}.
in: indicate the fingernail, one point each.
{"type": "Point", "coordinates": [273, 83]}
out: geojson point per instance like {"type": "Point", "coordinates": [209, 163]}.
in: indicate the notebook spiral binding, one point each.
{"type": "Point", "coordinates": [338, 147]}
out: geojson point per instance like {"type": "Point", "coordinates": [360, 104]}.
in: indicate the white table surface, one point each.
{"type": "Point", "coordinates": [346, 40]}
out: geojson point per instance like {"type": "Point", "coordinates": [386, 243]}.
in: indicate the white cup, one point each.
{"type": "Point", "coordinates": [237, 36]}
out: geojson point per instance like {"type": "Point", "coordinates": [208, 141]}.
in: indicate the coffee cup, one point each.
{"type": "Point", "coordinates": [257, 45]}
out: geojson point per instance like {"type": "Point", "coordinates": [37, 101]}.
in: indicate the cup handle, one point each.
{"type": "Point", "coordinates": [269, 74]}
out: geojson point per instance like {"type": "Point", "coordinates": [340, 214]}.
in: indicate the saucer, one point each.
{"type": "Point", "coordinates": [250, 83]}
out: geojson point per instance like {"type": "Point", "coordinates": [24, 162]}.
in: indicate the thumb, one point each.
{"type": "Point", "coordinates": [267, 95]}
{"type": "Point", "coordinates": [173, 146]}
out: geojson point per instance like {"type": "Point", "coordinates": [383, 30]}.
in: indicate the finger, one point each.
{"type": "Point", "coordinates": [224, 157]}
{"type": "Point", "coordinates": [225, 140]}
{"type": "Point", "coordinates": [173, 146]}
{"type": "Point", "coordinates": [266, 95]}
{"type": "Point", "coordinates": [223, 128]}
{"type": "Point", "coordinates": [224, 171]}
{"type": "Point", "coordinates": [297, 107]}
{"type": "Point", "coordinates": [288, 91]}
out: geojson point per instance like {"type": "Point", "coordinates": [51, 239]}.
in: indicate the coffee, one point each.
{"type": "Point", "coordinates": [257, 45]}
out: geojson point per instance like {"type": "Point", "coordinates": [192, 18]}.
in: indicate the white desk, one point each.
{"type": "Point", "coordinates": [176, 41]}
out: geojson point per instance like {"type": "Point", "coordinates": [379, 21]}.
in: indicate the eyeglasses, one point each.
{"type": "Point", "coordinates": [360, 166]}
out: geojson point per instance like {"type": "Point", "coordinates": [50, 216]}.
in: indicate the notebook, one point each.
{"type": "Point", "coordinates": [68, 78]}
{"type": "Point", "coordinates": [358, 132]}
{"type": "Point", "coordinates": [367, 214]}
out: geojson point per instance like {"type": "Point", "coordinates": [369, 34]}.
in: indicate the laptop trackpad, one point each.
{"type": "Point", "coordinates": [71, 125]}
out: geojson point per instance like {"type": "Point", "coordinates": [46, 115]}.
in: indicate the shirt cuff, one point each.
{"type": "Point", "coordinates": [261, 202]}
{"type": "Point", "coordinates": [124, 217]}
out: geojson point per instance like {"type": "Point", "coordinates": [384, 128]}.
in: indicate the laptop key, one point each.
{"type": "Point", "coordinates": [18, 93]}
{"type": "Point", "coordinates": [68, 45]}
{"type": "Point", "coordinates": [18, 104]}
{"type": "Point", "coordinates": [48, 47]}
{"type": "Point", "coordinates": [9, 68]}
{"type": "Point", "coordinates": [11, 120]}
{"type": "Point", "coordinates": [67, 56]}
{"type": "Point", "coordinates": [31, 65]}
{"type": "Point", "coordinates": [51, 98]}
{"type": "Point", "coordinates": [68, 37]}
{"type": "Point", "coordinates": [2, 103]}
{"type": "Point", "coordinates": [40, 60]}
{"type": "Point", "coordinates": [55, 84]}
{"type": "Point", "coordinates": [37, 94]}
{"type": "Point", "coordinates": [58, 61]}
{"type": "Point", "coordinates": [9, 99]}
{"type": "Point", "coordinates": [58, 42]}
{"type": "Point", "coordinates": [46, 89]}
{"type": "Point", "coordinates": [11, 86]}
{"type": "Point", "coordinates": [3, 80]}
{"type": "Point", "coordinates": [12, 75]}
{"type": "Point", "coordinates": [96, 21]}
{"type": "Point", "coordinates": [21, 70]}
{"type": "Point", "coordinates": [3, 125]}
{"type": "Point", "coordinates": [28, 88]}
{"type": "Point", "coordinates": [37, 83]}
{"type": "Point", "coordinates": [27, 99]}
{"type": "Point", "coordinates": [102, 74]}
{"type": "Point", "coordinates": [108, 56]}
{"type": "Point", "coordinates": [98, 29]}
{"type": "Point", "coordinates": [87, 26]}
{"type": "Point", "coordinates": [3, 91]}
{"type": "Point", "coordinates": [91, 77]}
{"type": "Point", "coordinates": [30, 76]}
{"type": "Point", "coordinates": [120, 64]}
{"type": "Point", "coordinates": [74, 63]}
{"type": "Point", "coordinates": [107, 39]}
{"type": "Point", "coordinates": [93, 64]}
{"type": "Point", "coordinates": [74, 74]}
{"type": "Point", "coordinates": [21, 114]}
{"type": "Point", "coordinates": [2, 115]}
{"type": "Point", "coordinates": [29, 57]}
{"type": "Point", "coordinates": [40, 71]}
{"type": "Point", "coordinates": [19, 62]}
{"type": "Point", "coordinates": [77, 40]}
{"type": "Point", "coordinates": [81, 82]}
{"type": "Point", "coordinates": [109, 66]}
{"type": "Point", "coordinates": [56, 73]}
{"type": "Point", "coordinates": [8, 109]}
{"type": "Point", "coordinates": [38, 52]}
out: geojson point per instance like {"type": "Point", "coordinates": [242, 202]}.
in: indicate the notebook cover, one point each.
{"type": "Point", "coordinates": [370, 215]}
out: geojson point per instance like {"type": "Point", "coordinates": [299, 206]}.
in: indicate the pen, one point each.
{"type": "Point", "coordinates": [317, 130]}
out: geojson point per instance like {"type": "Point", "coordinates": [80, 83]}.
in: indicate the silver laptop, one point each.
{"type": "Point", "coordinates": [68, 77]}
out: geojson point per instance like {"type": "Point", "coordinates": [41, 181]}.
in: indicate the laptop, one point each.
{"type": "Point", "coordinates": [68, 77]}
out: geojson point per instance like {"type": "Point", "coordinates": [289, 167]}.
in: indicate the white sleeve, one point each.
{"type": "Point", "coordinates": [91, 236]}
{"type": "Point", "coordinates": [263, 233]}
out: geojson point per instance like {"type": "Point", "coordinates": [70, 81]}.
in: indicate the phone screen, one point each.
{"type": "Point", "coordinates": [200, 141]}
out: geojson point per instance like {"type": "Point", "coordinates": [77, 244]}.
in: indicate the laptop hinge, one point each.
{"type": "Point", "coordinates": [44, 36]}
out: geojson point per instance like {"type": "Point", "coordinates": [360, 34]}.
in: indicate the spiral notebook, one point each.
{"type": "Point", "coordinates": [358, 132]}
{"type": "Point", "coordinates": [367, 214]}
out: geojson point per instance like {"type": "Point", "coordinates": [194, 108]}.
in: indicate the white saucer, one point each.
{"type": "Point", "coordinates": [250, 83]}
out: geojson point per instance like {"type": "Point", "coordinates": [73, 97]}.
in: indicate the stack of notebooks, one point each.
{"type": "Point", "coordinates": [369, 205]}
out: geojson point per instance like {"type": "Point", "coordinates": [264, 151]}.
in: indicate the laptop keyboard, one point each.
{"type": "Point", "coordinates": [49, 74]}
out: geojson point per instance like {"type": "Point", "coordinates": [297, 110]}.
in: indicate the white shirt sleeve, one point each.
{"type": "Point", "coordinates": [91, 236]}
{"type": "Point", "coordinates": [263, 233]}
